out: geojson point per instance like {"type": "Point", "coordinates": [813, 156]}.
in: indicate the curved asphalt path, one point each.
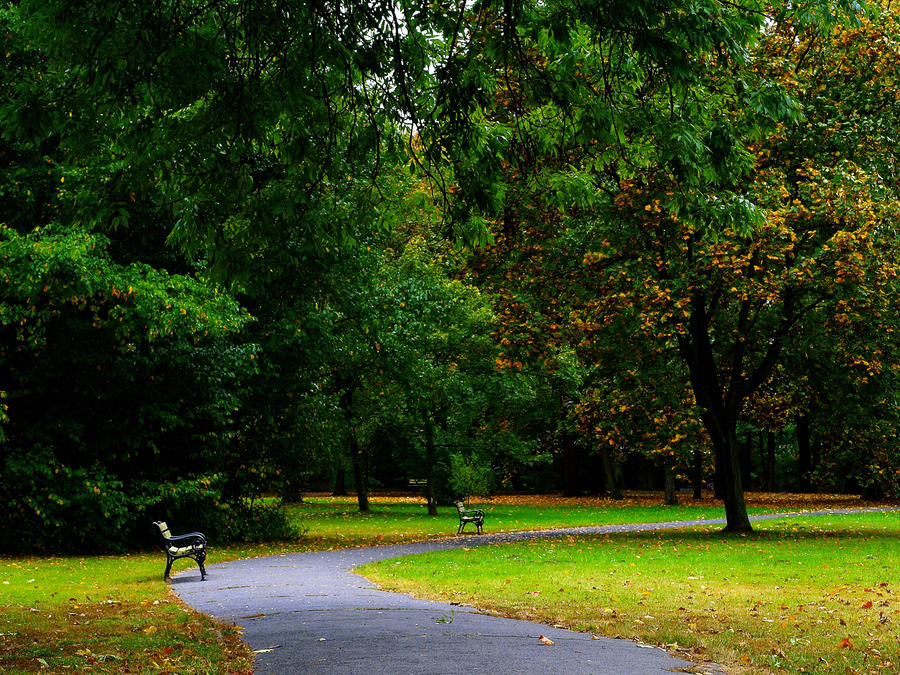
{"type": "Point", "coordinates": [309, 613]}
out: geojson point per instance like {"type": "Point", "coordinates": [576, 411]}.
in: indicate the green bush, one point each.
{"type": "Point", "coordinates": [198, 505]}
{"type": "Point", "coordinates": [58, 509]}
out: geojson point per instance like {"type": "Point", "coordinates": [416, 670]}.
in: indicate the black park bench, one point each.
{"type": "Point", "coordinates": [468, 516]}
{"type": "Point", "coordinates": [191, 545]}
{"type": "Point", "coordinates": [417, 484]}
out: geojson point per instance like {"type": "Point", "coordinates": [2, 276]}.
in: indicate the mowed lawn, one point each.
{"type": "Point", "coordinates": [115, 614]}
{"type": "Point", "coordinates": [806, 594]}
{"type": "Point", "coordinates": [335, 522]}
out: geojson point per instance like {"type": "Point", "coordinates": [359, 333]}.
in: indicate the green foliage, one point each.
{"type": "Point", "coordinates": [167, 171]}
{"type": "Point", "coordinates": [468, 477]}
{"type": "Point", "coordinates": [198, 504]}
{"type": "Point", "coordinates": [61, 508]}
{"type": "Point", "coordinates": [114, 374]}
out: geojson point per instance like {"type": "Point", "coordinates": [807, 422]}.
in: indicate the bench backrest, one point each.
{"type": "Point", "coordinates": [163, 529]}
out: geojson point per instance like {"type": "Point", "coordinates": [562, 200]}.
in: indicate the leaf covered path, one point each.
{"type": "Point", "coordinates": [309, 613]}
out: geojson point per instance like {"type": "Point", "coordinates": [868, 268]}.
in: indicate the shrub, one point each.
{"type": "Point", "coordinates": [58, 509]}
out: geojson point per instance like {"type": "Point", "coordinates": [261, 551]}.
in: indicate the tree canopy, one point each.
{"type": "Point", "coordinates": [248, 247]}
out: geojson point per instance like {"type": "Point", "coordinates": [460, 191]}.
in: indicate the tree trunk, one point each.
{"type": "Point", "coordinates": [698, 474]}
{"type": "Point", "coordinates": [618, 479]}
{"type": "Point", "coordinates": [718, 480]}
{"type": "Point", "coordinates": [570, 466]}
{"type": "Point", "coordinates": [359, 474]}
{"type": "Point", "coordinates": [720, 406]}
{"type": "Point", "coordinates": [291, 492]}
{"type": "Point", "coordinates": [613, 484]}
{"type": "Point", "coordinates": [340, 482]}
{"type": "Point", "coordinates": [816, 452]}
{"type": "Point", "coordinates": [747, 461]}
{"type": "Point", "coordinates": [357, 453]}
{"type": "Point", "coordinates": [671, 493]}
{"type": "Point", "coordinates": [429, 467]}
{"type": "Point", "coordinates": [729, 468]}
{"type": "Point", "coordinates": [770, 461]}
{"type": "Point", "coordinates": [804, 448]}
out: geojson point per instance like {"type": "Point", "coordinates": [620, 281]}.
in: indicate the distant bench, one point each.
{"type": "Point", "coordinates": [191, 545]}
{"type": "Point", "coordinates": [417, 483]}
{"type": "Point", "coordinates": [468, 516]}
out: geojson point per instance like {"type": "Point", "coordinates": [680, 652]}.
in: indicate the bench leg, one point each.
{"type": "Point", "coordinates": [200, 559]}
{"type": "Point", "coordinates": [169, 561]}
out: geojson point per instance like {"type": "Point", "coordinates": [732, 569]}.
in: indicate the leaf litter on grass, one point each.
{"type": "Point", "coordinates": [785, 597]}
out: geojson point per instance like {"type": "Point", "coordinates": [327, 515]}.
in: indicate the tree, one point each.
{"type": "Point", "coordinates": [639, 126]}
{"type": "Point", "coordinates": [117, 379]}
{"type": "Point", "coordinates": [734, 304]}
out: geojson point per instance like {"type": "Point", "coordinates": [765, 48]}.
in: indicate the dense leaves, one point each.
{"type": "Point", "coordinates": [226, 271]}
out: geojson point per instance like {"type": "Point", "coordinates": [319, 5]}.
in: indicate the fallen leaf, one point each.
{"type": "Point", "coordinates": [546, 640]}
{"type": "Point", "coordinates": [846, 643]}
{"type": "Point", "coordinates": [867, 605]}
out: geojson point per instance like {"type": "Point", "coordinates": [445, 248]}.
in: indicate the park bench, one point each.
{"type": "Point", "coordinates": [191, 545]}
{"type": "Point", "coordinates": [417, 483]}
{"type": "Point", "coordinates": [468, 516]}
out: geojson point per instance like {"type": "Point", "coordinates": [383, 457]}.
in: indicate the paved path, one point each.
{"type": "Point", "coordinates": [309, 613]}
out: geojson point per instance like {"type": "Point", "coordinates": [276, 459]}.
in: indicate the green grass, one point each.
{"type": "Point", "coordinates": [336, 522]}
{"type": "Point", "coordinates": [115, 614]}
{"type": "Point", "coordinates": [814, 594]}
{"type": "Point", "coordinates": [107, 614]}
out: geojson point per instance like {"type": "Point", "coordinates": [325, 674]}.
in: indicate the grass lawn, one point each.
{"type": "Point", "coordinates": [814, 594]}
{"type": "Point", "coordinates": [335, 522]}
{"type": "Point", "coordinates": [115, 614]}
{"type": "Point", "coordinates": [109, 614]}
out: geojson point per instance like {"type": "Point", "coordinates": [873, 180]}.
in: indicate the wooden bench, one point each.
{"type": "Point", "coordinates": [417, 483]}
{"type": "Point", "coordinates": [191, 545]}
{"type": "Point", "coordinates": [468, 516]}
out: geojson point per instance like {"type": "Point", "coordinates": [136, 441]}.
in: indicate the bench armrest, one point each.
{"type": "Point", "coordinates": [189, 535]}
{"type": "Point", "coordinates": [472, 512]}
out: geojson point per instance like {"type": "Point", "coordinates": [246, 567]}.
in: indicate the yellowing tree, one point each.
{"type": "Point", "coordinates": [733, 301]}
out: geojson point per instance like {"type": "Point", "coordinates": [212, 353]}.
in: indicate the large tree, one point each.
{"type": "Point", "coordinates": [641, 125]}
{"type": "Point", "coordinates": [164, 160]}
{"type": "Point", "coordinates": [817, 269]}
